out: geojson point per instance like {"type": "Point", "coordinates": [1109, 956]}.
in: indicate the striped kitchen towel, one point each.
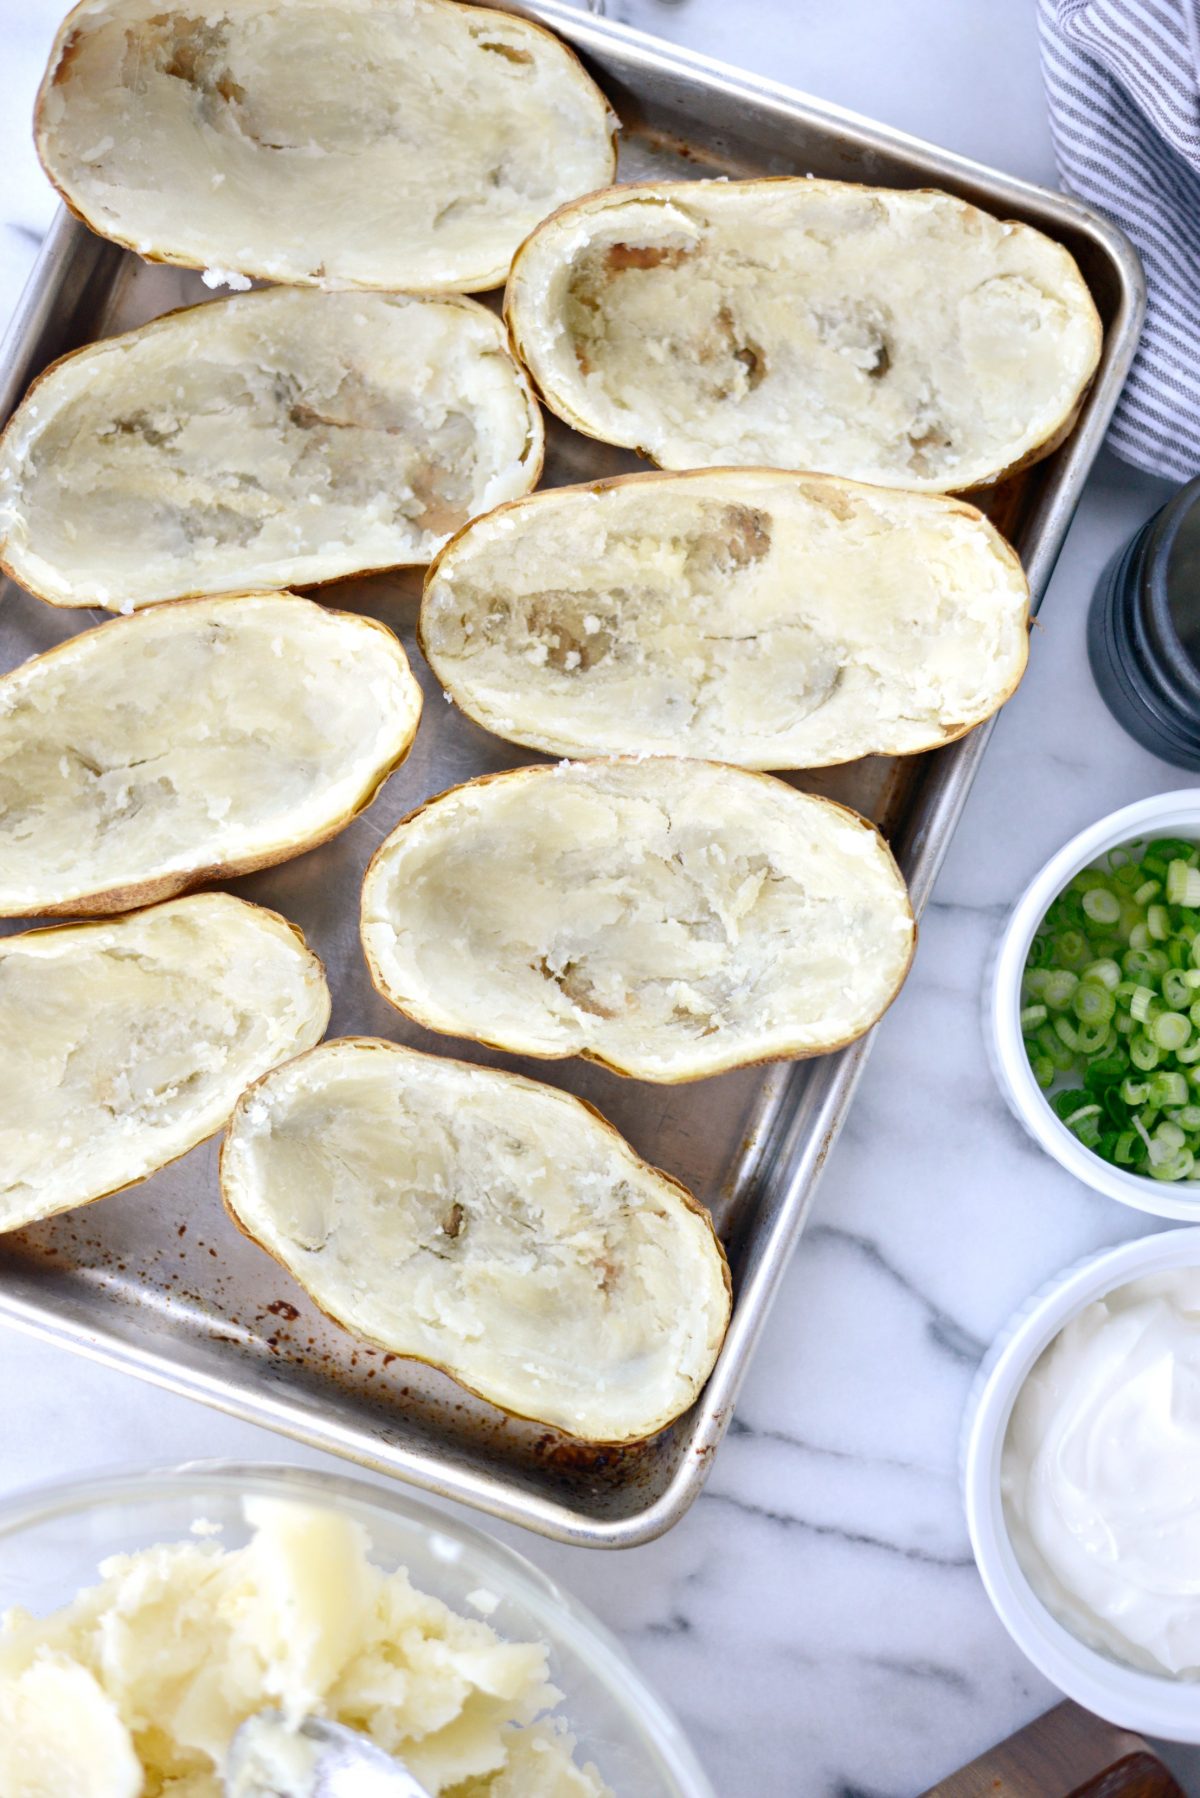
{"type": "Point", "coordinates": [1123, 82]}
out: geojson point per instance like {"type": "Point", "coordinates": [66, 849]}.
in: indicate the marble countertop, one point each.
{"type": "Point", "coordinates": [816, 1620]}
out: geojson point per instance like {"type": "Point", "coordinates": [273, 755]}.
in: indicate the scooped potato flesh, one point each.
{"type": "Point", "coordinates": [214, 734]}
{"type": "Point", "coordinates": [261, 440]}
{"type": "Point", "coordinates": [772, 620]}
{"type": "Point", "coordinates": [900, 338]}
{"type": "Point", "coordinates": [124, 1043]}
{"type": "Point", "coordinates": [337, 141]}
{"type": "Point", "coordinates": [487, 1224]}
{"type": "Point", "coordinates": [670, 918]}
{"type": "Point", "coordinates": [141, 1684]}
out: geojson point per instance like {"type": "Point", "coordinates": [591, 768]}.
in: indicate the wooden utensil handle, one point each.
{"type": "Point", "coordinates": [1068, 1753]}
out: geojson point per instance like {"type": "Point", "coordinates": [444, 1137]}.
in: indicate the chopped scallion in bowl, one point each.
{"type": "Point", "coordinates": [1110, 1007]}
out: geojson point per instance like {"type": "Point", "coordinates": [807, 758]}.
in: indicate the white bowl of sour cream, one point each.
{"type": "Point", "coordinates": [1081, 1479]}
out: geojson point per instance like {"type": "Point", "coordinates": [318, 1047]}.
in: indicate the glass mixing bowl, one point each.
{"type": "Point", "coordinates": [52, 1540]}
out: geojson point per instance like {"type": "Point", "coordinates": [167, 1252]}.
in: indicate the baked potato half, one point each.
{"type": "Point", "coordinates": [744, 615]}
{"type": "Point", "coordinates": [126, 1042]}
{"type": "Point", "coordinates": [495, 1228]}
{"type": "Point", "coordinates": [279, 438]}
{"type": "Point", "coordinates": [670, 919]}
{"type": "Point", "coordinates": [902, 338]}
{"type": "Point", "coordinates": [190, 743]}
{"type": "Point", "coordinates": [350, 143]}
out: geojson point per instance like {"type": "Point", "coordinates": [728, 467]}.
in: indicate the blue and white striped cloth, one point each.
{"type": "Point", "coordinates": [1123, 82]}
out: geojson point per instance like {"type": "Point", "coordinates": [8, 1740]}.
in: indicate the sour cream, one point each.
{"type": "Point", "coordinates": [1101, 1474]}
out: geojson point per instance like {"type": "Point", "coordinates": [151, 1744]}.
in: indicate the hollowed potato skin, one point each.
{"type": "Point", "coordinates": [268, 439]}
{"type": "Point", "coordinates": [126, 1042]}
{"type": "Point", "coordinates": [343, 143]}
{"type": "Point", "coordinates": [193, 742]}
{"type": "Point", "coordinates": [451, 1190]}
{"type": "Point", "coordinates": [754, 616]}
{"type": "Point", "coordinates": [903, 338]}
{"type": "Point", "coordinates": [670, 920]}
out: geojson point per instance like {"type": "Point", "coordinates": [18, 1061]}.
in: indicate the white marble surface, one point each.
{"type": "Point", "coordinates": [816, 1620]}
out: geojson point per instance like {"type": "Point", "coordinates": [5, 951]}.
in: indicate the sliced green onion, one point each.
{"type": "Point", "coordinates": [1167, 1088]}
{"type": "Point", "coordinates": [1102, 906]}
{"type": "Point", "coordinates": [1177, 884]}
{"type": "Point", "coordinates": [1069, 913]}
{"type": "Point", "coordinates": [1049, 1043]}
{"type": "Point", "coordinates": [1106, 971]}
{"type": "Point", "coordinates": [1106, 948]}
{"type": "Point", "coordinates": [1105, 1071]}
{"type": "Point", "coordinates": [1170, 1137]}
{"type": "Point", "coordinates": [1111, 994]}
{"type": "Point", "coordinates": [1180, 1168]}
{"type": "Point", "coordinates": [1115, 1108]}
{"type": "Point", "coordinates": [1171, 1030]}
{"type": "Point", "coordinates": [1060, 985]}
{"type": "Point", "coordinates": [1143, 1004]}
{"type": "Point", "coordinates": [1092, 1003]}
{"type": "Point", "coordinates": [1170, 849]}
{"type": "Point", "coordinates": [1175, 988]}
{"type": "Point", "coordinates": [1072, 949]}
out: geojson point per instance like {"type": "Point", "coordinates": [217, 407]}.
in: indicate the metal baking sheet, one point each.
{"type": "Point", "coordinates": [156, 1281]}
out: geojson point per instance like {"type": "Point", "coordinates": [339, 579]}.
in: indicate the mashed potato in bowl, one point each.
{"type": "Point", "coordinates": [135, 1689]}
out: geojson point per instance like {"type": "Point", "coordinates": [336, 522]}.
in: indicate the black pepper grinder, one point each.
{"type": "Point", "coordinates": [1144, 632]}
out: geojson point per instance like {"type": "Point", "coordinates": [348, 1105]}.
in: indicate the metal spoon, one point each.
{"type": "Point", "coordinates": [267, 1759]}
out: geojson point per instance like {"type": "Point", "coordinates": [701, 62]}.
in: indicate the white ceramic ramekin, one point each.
{"type": "Point", "coordinates": [1168, 814]}
{"type": "Point", "coordinates": [1152, 1704]}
